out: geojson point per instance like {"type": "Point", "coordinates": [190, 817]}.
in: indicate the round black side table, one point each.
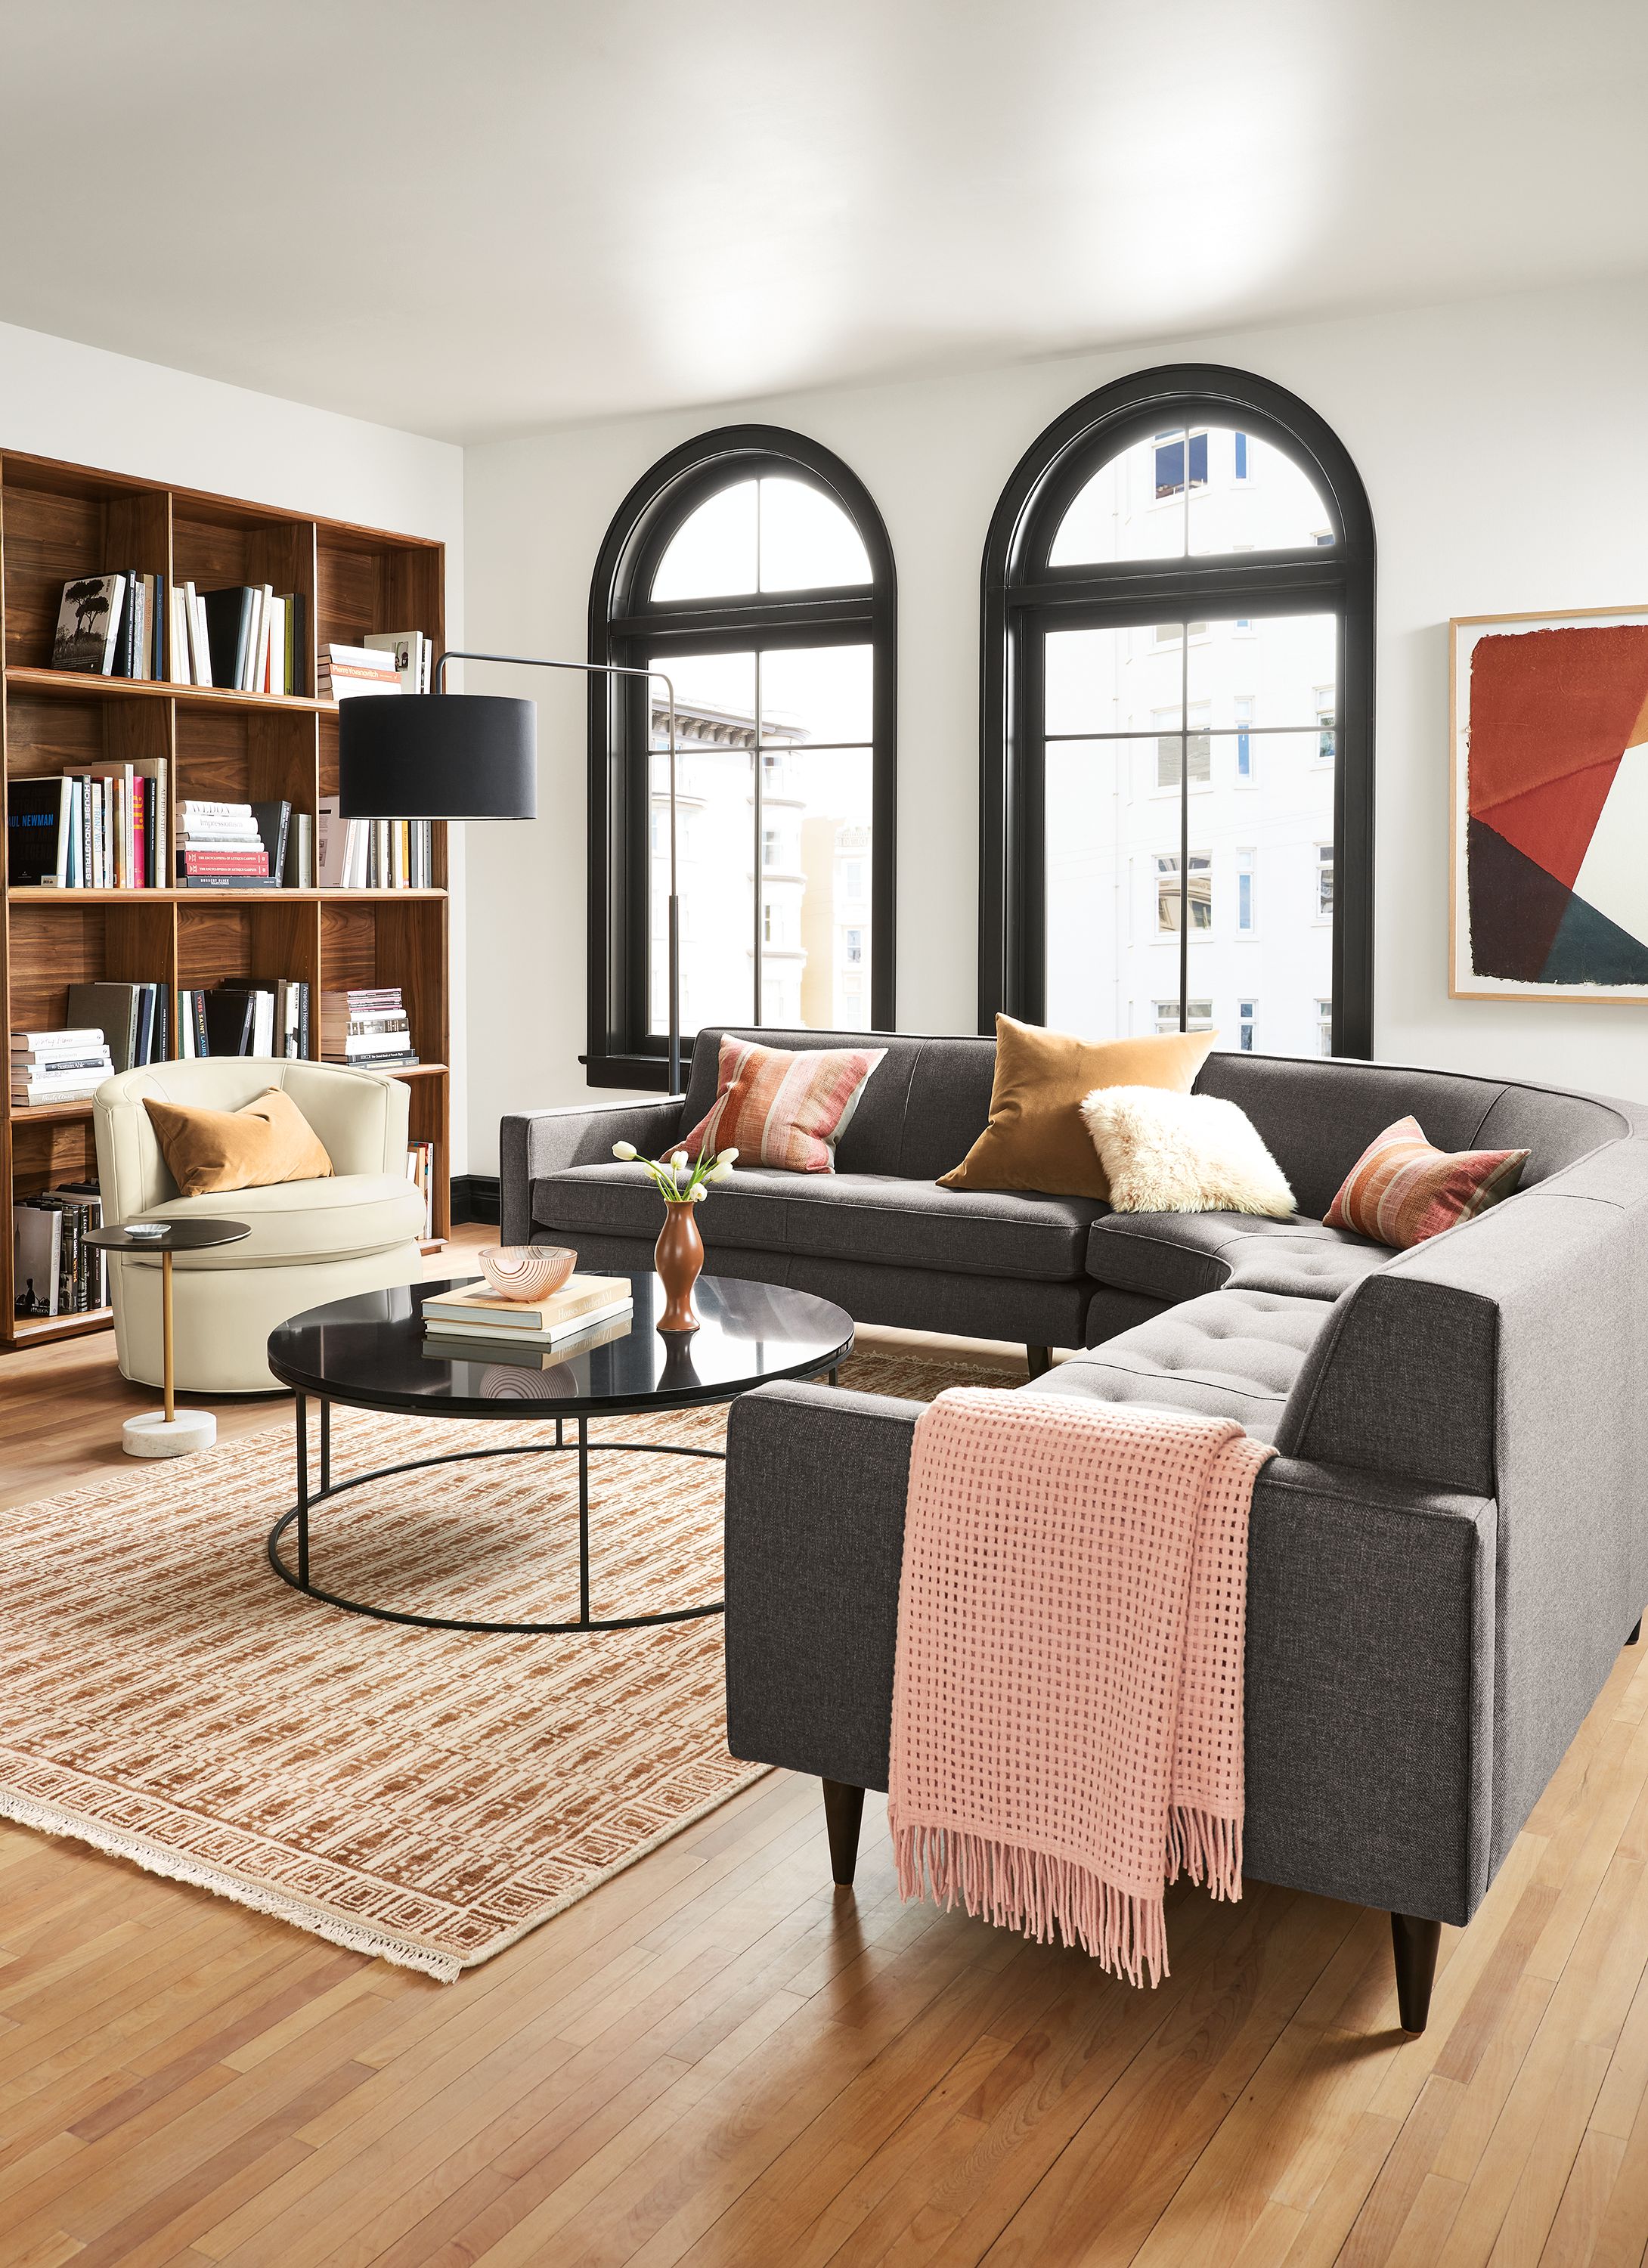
{"type": "Point", "coordinates": [162, 1432]}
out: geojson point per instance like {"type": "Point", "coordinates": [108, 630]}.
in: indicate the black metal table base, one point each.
{"type": "Point", "coordinates": [581, 1446]}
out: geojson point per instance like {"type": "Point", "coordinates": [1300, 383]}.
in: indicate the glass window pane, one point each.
{"type": "Point", "coordinates": [1132, 508]}
{"type": "Point", "coordinates": [807, 541]}
{"type": "Point", "coordinates": [715, 721]}
{"type": "Point", "coordinates": [825, 692]}
{"type": "Point", "coordinates": [1250, 497]}
{"type": "Point", "coordinates": [1276, 670]}
{"type": "Point", "coordinates": [1108, 958]}
{"type": "Point", "coordinates": [1114, 681]}
{"type": "Point", "coordinates": [712, 553]}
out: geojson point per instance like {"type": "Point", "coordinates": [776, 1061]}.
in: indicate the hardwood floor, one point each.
{"type": "Point", "coordinates": [717, 2059]}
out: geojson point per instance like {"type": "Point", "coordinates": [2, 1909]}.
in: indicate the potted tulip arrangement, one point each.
{"type": "Point", "coordinates": [679, 1254]}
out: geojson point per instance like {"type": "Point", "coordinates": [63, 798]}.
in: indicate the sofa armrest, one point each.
{"type": "Point", "coordinates": [532, 1143]}
{"type": "Point", "coordinates": [815, 1488]}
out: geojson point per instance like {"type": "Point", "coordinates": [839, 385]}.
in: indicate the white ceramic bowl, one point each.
{"type": "Point", "coordinates": [527, 1271]}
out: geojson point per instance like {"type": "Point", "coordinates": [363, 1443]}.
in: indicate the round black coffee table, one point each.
{"type": "Point", "coordinates": [371, 1352]}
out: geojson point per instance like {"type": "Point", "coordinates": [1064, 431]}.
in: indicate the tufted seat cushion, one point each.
{"type": "Point", "coordinates": [1229, 1354]}
{"type": "Point", "coordinates": [880, 1219]}
{"type": "Point", "coordinates": [1179, 1255]}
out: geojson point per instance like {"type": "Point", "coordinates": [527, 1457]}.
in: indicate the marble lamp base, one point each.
{"type": "Point", "coordinates": [154, 1434]}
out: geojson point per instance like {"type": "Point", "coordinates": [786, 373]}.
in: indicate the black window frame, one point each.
{"type": "Point", "coordinates": [625, 626]}
{"type": "Point", "coordinates": [1024, 596]}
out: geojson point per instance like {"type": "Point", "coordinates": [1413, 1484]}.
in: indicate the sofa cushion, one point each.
{"type": "Point", "coordinates": [1230, 1354]}
{"type": "Point", "coordinates": [346, 1217]}
{"type": "Point", "coordinates": [1180, 1255]}
{"type": "Point", "coordinates": [874, 1219]}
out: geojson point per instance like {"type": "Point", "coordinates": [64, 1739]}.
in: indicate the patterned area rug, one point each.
{"type": "Point", "coordinates": [425, 1795]}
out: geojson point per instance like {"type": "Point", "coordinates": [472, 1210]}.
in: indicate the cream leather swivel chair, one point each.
{"type": "Point", "coordinates": [311, 1241]}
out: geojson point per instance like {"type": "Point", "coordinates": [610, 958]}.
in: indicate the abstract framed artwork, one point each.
{"type": "Point", "coordinates": [1549, 897]}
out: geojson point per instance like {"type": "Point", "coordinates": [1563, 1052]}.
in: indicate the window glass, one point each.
{"type": "Point", "coordinates": [1188, 494]}
{"type": "Point", "coordinates": [712, 554]}
{"type": "Point", "coordinates": [766, 535]}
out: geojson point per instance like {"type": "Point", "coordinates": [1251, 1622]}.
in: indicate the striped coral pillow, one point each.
{"type": "Point", "coordinates": [1402, 1190]}
{"type": "Point", "coordinates": [783, 1107]}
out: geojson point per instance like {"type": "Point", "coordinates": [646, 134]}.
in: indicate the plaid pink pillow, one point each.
{"type": "Point", "coordinates": [1402, 1190]}
{"type": "Point", "coordinates": [783, 1107]}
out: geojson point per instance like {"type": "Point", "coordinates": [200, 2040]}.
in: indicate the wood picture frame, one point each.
{"type": "Point", "coordinates": [1549, 804]}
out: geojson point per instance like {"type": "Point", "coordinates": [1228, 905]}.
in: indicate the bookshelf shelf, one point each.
{"type": "Point", "coordinates": [59, 521]}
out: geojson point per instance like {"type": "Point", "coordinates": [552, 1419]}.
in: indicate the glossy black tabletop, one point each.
{"type": "Point", "coordinates": [180, 1236]}
{"type": "Point", "coordinates": [371, 1351]}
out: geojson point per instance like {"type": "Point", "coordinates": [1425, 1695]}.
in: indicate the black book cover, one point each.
{"type": "Point", "coordinates": [228, 626]}
{"type": "Point", "coordinates": [228, 1023]}
{"type": "Point", "coordinates": [294, 614]}
{"type": "Point", "coordinates": [145, 1022]}
{"type": "Point", "coordinates": [33, 807]}
{"type": "Point", "coordinates": [273, 822]}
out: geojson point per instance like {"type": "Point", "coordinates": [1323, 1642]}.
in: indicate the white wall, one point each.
{"type": "Point", "coordinates": [58, 399]}
{"type": "Point", "coordinates": [1499, 443]}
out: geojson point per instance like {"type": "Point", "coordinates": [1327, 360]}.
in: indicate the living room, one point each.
{"type": "Point", "coordinates": [898, 750]}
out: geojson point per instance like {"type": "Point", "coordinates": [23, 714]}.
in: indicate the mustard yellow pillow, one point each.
{"type": "Point", "coordinates": [269, 1140]}
{"type": "Point", "coordinates": [1035, 1138]}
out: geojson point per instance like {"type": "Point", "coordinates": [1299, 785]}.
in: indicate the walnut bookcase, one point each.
{"type": "Point", "coordinates": [58, 521]}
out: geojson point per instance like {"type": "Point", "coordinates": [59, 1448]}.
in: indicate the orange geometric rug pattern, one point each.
{"type": "Point", "coordinates": [427, 1796]}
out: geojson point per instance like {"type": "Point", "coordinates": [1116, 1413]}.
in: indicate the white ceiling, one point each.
{"type": "Point", "coordinates": [477, 217]}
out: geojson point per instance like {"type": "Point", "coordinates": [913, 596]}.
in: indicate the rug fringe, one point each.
{"type": "Point", "coordinates": [28, 1811]}
{"type": "Point", "coordinates": [1037, 1894]}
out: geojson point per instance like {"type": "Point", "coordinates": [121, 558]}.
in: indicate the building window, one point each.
{"type": "Point", "coordinates": [1324, 1028]}
{"type": "Point", "coordinates": [853, 878]}
{"type": "Point", "coordinates": [1245, 892]}
{"type": "Point", "coordinates": [1324, 881]}
{"type": "Point", "coordinates": [752, 568]}
{"type": "Point", "coordinates": [1085, 703]}
{"type": "Point", "coordinates": [853, 947]}
{"type": "Point", "coordinates": [1246, 1014]}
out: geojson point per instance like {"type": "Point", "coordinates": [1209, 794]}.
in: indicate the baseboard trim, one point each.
{"type": "Point", "coordinates": [475, 1197]}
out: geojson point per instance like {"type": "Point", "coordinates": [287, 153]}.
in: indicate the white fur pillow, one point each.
{"type": "Point", "coordinates": [1166, 1152]}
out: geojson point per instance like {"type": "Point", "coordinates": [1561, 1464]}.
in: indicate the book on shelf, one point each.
{"type": "Point", "coordinates": [37, 818]}
{"type": "Point", "coordinates": [413, 654]}
{"type": "Point", "coordinates": [132, 1018]}
{"type": "Point", "coordinates": [245, 1016]}
{"type": "Point", "coordinates": [66, 1066]}
{"type": "Point", "coordinates": [245, 637]}
{"type": "Point", "coordinates": [582, 1301]}
{"type": "Point", "coordinates": [89, 831]}
{"type": "Point", "coordinates": [112, 625]}
{"type": "Point", "coordinates": [345, 671]}
{"type": "Point", "coordinates": [54, 1271]}
{"type": "Point", "coordinates": [224, 846]}
{"type": "Point", "coordinates": [369, 1027]}
{"type": "Point", "coordinates": [302, 851]}
{"type": "Point", "coordinates": [373, 854]}
{"type": "Point", "coordinates": [421, 1174]}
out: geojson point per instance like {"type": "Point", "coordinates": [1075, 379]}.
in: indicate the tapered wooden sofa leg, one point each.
{"type": "Point", "coordinates": [843, 1809]}
{"type": "Point", "coordinates": [1636, 1631]}
{"type": "Point", "coordinates": [1414, 1942]}
{"type": "Point", "coordinates": [1040, 1359]}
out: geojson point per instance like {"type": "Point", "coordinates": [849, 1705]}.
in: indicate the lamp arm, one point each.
{"type": "Point", "coordinates": [615, 669]}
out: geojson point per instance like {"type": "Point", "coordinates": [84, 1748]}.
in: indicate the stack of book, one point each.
{"type": "Point", "coordinates": [373, 854]}
{"type": "Point", "coordinates": [133, 1019]}
{"type": "Point", "coordinates": [234, 846]}
{"type": "Point", "coordinates": [90, 831]}
{"type": "Point", "coordinates": [348, 670]}
{"type": "Point", "coordinates": [58, 1066]}
{"type": "Point", "coordinates": [477, 1319]}
{"type": "Point", "coordinates": [111, 625]}
{"type": "Point", "coordinates": [245, 637]}
{"type": "Point", "coordinates": [421, 1174]}
{"type": "Point", "coordinates": [369, 1027]}
{"type": "Point", "coordinates": [245, 1016]}
{"type": "Point", "coordinates": [56, 1272]}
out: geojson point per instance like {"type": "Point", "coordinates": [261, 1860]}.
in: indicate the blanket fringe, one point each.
{"type": "Point", "coordinates": [1207, 1846]}
{"type": "Point", "coordinates": [1037, 1894]}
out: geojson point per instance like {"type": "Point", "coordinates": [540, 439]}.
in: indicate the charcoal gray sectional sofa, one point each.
{"type": "Point", "coordinates": [1447, 1551]}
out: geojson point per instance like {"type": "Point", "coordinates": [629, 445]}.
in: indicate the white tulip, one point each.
{"type": "Point", "coordinates": [678, 1160]}
{"type": "Point", "coordinates": [728, 1158]}
{"type": "Point", "coordinates": [625, 1149]}
{"type": "Point", "coordinates": [700, 1193]}
{"type": "Point", "coordinates": [721, 1171]}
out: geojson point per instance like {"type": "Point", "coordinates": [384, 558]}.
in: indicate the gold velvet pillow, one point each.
{"type": "Point", "coordinates": [1035, 1138]}
{"type": "Point", "coordinates": [269, 1140]}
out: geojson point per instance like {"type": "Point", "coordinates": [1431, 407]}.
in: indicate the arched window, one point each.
{"type": "Point", "coordinates": [1178, 713]}
{"type": "Point", "coordinates": [753, 568]}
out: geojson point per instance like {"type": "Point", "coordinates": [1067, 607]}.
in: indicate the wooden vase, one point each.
{"type": "Point", "coordinates": [679, 1256]}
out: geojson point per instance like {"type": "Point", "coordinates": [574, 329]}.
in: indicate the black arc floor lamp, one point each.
{"type": "Point", "coordinates": [475, 755]}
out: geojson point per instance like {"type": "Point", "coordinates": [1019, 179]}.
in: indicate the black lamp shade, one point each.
{"type": "Point", "coordinates": [437, 755]}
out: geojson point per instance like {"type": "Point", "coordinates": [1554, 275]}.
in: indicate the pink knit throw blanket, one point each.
{"type": "Point", "coordinates": [1067, 1697]}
